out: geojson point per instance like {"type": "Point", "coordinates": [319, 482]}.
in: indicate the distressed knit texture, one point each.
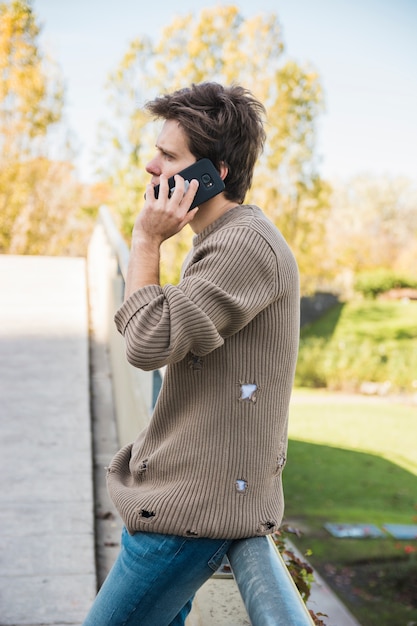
{"type": "Point", "coordinates": [210, 462]}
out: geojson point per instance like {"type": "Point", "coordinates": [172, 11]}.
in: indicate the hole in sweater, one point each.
{"type": "Point", "coordinates": [248, 392]}
{"type": "Point", "coordinates": [241, 485]}
{"type": "Point", "coordinates": [281, 462]}
{"type": "Point", "coordinates": [195, 362]}
{"type": "Point", "coordinates": [143, 467]}
{"type": "Point", "coordinates": [146, 515]}
{"type": "Point", "coordinates": [265, 527]}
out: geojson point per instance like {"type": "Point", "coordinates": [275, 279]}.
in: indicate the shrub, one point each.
{"type": "Point", "coordinates": [309, 372]}
{"type": "Point", "coordinates": [358, 343]}
{"type": "Point", "coordinates": [374, 282]}
{"type": "Point", "coordinates": [301, 572]}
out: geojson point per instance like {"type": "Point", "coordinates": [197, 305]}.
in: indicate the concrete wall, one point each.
{"type": "Point", "coordinates": [313, 307]}
{"type": "Point", "coordinates": [132, 388]}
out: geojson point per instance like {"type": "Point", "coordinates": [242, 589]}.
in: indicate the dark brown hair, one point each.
{"type": "Point", "coordinates": [224, 124]}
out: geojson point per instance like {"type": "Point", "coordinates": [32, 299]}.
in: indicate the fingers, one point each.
{"type": "Point", "coordinates": [184, 191]}
{"type": "Point", "coordinates": [178, 199]}
{"type": "Point", "coordinates": [156, 192]}
{"type": "Point", "coordinates": [150, 192]}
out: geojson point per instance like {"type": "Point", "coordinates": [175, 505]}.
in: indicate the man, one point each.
{"type": "Point", "coordinates": [207, 470]}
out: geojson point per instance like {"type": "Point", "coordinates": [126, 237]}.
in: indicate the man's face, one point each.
{"type": "Point", "coordinates": [172, 152]}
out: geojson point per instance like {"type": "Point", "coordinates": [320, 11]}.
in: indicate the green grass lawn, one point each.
{"type": "Point", "coordinates": [384, 427]}
{"type": "Point", "coordinates": [354, 460]}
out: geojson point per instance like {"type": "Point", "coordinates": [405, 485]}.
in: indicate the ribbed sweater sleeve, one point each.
{"type": "Point", "coordinates": [230, 278]}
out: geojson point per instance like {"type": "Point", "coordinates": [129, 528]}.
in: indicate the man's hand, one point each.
{"type": "Point", "coordinates": [164, 217]}
{"type": "Point", "coordinates": [160, 219]}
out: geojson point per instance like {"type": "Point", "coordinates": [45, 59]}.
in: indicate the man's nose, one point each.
{"type": "Point", "coordinates": [153, 167]}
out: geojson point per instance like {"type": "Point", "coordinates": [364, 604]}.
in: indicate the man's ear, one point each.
{"type": "Point", "coordinates": [224, 170]}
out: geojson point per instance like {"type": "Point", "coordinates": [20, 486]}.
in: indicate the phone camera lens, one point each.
{"type": "Point", "coordinates": [207, 180]}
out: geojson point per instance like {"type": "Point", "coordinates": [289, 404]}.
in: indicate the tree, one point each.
{"type": "Point", "coordinates": [372, 224]}
{"type": "Point", "coordinates": [221, 45]}
{"type": "Point", "coordinates": [39, 197]}
{"type": "Point", "coordinates": [54, 212]}
{"type": "Point", "coordinates": [30, 95]}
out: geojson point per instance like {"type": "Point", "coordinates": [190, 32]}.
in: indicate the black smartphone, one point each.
{"type": "Point", "coordinates": [209, 182]}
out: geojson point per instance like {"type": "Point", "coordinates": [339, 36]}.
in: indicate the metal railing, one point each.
{"type": "Point", "coordinates": [265, 584]}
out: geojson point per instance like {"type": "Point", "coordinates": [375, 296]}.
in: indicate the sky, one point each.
{"type": "Point", "coordinates": [365, 52]}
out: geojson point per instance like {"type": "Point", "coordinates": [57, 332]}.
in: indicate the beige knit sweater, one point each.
{"type": "Point", "coordinates": [210, 462]}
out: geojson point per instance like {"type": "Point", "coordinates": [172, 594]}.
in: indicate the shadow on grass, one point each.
{"type": "Point", "coordinates": [325, 326]}
{"type": "Point", "coordinates": [323, 483]}
{"type": "Point", "coordinates": [374, 577]}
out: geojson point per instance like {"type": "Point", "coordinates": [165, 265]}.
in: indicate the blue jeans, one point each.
{"type": "Point", "coordinates": [154, 579]}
